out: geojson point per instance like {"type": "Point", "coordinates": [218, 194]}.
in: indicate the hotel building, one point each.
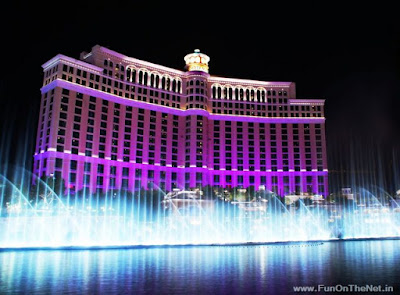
{"type": "Point", "coordinates": [109, 121]}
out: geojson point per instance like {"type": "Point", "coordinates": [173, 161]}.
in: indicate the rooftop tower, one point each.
{"type": "Point", "coordinates": [197, 61]}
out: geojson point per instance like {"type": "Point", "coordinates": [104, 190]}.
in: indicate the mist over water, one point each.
{"type": "Point", "coordinates": [41, 217]}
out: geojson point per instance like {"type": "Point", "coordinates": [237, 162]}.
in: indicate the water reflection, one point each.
{"type": "Point", "coordinates": [200, 270]}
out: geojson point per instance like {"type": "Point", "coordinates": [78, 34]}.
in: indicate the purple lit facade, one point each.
{"type": "Point", "coordinates": [108, 121]}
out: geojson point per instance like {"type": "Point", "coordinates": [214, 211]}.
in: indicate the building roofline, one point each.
{"type": "Point", "coordinates": [248, 81]}
{"type": "Point", "coordinates": [136, 60]}
{"type": "Point", "coordinates": [212, 77]}
{"type": "Point", "coordinates": [300, 101]}
{"type": "Point", "coordinates": [59, 57]}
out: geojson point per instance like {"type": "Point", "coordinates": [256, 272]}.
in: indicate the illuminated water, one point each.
{"type": "Point", "coordinates": [40, 217]}
{"type": "Point", "coordinates": [201, 270]}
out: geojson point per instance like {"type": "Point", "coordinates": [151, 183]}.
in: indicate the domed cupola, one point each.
{"type": "Point", "coordinates": [197, 61]}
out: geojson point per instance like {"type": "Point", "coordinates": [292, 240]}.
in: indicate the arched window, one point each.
{"type": "Point", "coordinates": [163, 83]}
{"type": "Point", "coordinates": [128, 74]}
{"type": "Point", "coordinates": [106, 62]}
{"type": "Point", "coordinates": [230, 93]}
{"type": "Point", "coordinates": [237, 93]}
{"type": "Point", "coordinates": [168, 84]}
{"type": "Point", "coordinates": [174, 85]}
{"type": "Point", "coordinates": [145, 75]}
{"type": "Point", "coordinates": [258, 95]}
{"type": "Point", "coordinates": [152, 80]}
{"type": "Point", "coordinates": [219, 92]}
{"type": "Point", "coordinates": [241, 94]}
{"type": "Point", "coordinates": [225, 92]}
{"type": "Point", "coordinates": [179, 86]}
{"type": "Point", "coordinates": [133, 78]}
{"type": "Point", "coordinates": [111, 63]}
{"type": "Point", "coordinates": [214, 92]}
{"type": "Point", "coordinates": [140, 77]}
{"type": "Point", "coordinates": [197, 82]}
{"type": "Point", "coordinates": [157, 81]}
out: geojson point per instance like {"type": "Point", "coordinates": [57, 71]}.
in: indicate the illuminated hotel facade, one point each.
{"type": "Point", "coordinates": [108, 121]}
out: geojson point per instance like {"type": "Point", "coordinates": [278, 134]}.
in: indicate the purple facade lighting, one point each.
{"type": "Point", "coordinates": [108, 121]}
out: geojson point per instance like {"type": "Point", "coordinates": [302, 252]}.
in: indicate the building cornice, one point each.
{"type": "Point", "coordinates": [138, 62]}
{"type": "Point", "coordinates": [247, 82]}
{"type": "Point", "coordinates": [69, 60]}
{"type": "Point", "coordinates": [300, 101]}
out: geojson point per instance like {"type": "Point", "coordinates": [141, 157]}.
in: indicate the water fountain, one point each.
{"type": "Point", "coordinates": [39, 217]}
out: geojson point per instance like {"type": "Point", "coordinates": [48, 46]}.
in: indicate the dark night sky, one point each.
{"type": "Point", "coordinates": [349, 56]}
